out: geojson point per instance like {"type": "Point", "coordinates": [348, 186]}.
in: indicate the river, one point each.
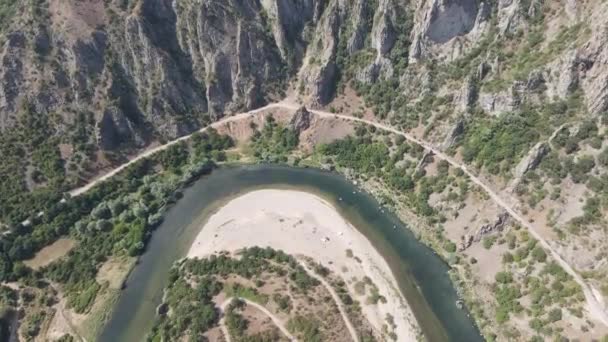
{"type": "Point", "coordinates": [421, 275]}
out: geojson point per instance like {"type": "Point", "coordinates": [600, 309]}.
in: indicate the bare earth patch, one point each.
{"type": "Point", "coordinates": [115, 271]}
{"type": "Point", "coordinates": [51, 253]}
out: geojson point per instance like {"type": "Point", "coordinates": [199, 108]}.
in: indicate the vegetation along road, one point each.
{"type": "Point", "coordinates": [594, 302]}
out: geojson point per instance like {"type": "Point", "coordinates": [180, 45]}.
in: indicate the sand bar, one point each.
{"type": "Point", "coordinates": [301, 223]}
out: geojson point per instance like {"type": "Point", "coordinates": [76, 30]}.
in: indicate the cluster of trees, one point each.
{"type": "Point", "coordinates": [7, 10]}
{"type": "Point", "coordinates": [360, 154]}
{"type": "Point", "coordinates": [192, 310]}
{"type": "Point", "coordinates": [237, 325]}
{"type": "Point", "coordinates": [548, 289]}
{"type": "Point", "coordinates": [498, 144]}
{"type": "Point", "coordinates": [507, 296]}
{"type": "Point", "coordinates": [586, 133]}
{"type": "Point", "coordinates": [252, 262]}
{"type": "Point", "coordinates": [31, 139]}
{"type": "Point", "coordinates": [115, 218]}
{"type": "Point", "coordinates": [559, 168]}
{"type": "Point", "coordinates": [274, 142]}
{"type": "Point", "coordinates": [194, 282]}
{"type": "Point", "coordinates": [210, 145]}
{"type": "Point", "coordinates": [373, 158]}
{"type": "Point", "coordinates": [600, 186]}
{"type": "Point", "coordinates": [203, 146]}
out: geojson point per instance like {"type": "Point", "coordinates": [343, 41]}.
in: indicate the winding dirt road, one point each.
{"type": "Point", "coordinates": [592, 296]}
{"type": "Point", "coordinates": [337, 300]}
{"type": "Point", "coordinates": [277, 321]}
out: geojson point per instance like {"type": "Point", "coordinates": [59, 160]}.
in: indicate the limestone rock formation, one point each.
{"type": "Point", "coordinates": [441, 24]}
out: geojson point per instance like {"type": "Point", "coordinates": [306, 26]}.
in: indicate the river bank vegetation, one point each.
{"type": "Point", "coordinates": [114, 219]}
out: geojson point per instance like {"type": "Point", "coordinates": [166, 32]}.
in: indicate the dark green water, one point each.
{"type": "Point", "coordinates": [421, 275]}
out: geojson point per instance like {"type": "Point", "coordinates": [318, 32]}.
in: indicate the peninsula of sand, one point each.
{"type": "Point", "coordinates": [305, 225]}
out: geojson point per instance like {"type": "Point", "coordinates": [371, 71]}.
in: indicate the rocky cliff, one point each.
{"type": "Point", "coordinates": [91, 80]}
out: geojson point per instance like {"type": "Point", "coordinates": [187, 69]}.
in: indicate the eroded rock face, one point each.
{"type": "Point", "coordinates": [441, 23]}
{"type": "Point", "coordinates": [563, 75]}
{"type": "Point", "coordinates": [468, 95]}
{"type": "Point", "coordinates": [383, 33]}
{"type": "Point", "coordinates": [158, 69]}
{"type": "Point", "coordinates": [114, 129]}
{"type": "Point", "coordinates": [450, 18]}
{"type": "Point", "coordinates": [291, 17]}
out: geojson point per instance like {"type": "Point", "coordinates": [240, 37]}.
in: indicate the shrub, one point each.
{"type": "Point", "coordinates": [450, 247]}
{"type": "Point", "coordinates": [555, 315]}
{"type": "Point", "coordinates": [503, 277]}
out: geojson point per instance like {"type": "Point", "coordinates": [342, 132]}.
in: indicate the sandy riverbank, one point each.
{"type": "Point", "coordinates": [303, 224]}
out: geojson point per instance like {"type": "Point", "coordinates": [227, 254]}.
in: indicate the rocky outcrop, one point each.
{"type": "Point", "coordinates": [319, 71]}
{"type": "Point", "coordinates": [593, 63]}
{"type": "Point", "coordinates": [497, 103]}
{"type": "Point", "coordinates": [289, 19]}
{"type": "Point", "coordinates": [467, 98]}
{"type": "Point", "coordinates": [509, 16]}
{"type": "Point", "coordinates": [115, 129]}
{"type": "Point", "coordinates": [532, 160]}
{"type": "Point", "coordinates": [563, 74]}
{"type": "Point", "coordinates": [454, 133]}
{"type": "Point", "coordinates": [383, 32]}
{"type": "Point", "coordinates": [497, 225]}
{"type": "Point", "coordinates": [301, 120]}
{"type": "Point", "coordinates": [441, 23]}
{"type": "Point", "coordinates": [159, 69]}
{"type": "Point", "coordinates": [362, 17]}
{"type": "Point", "coordinates": [450, 18]}
{"type": "Point", "coordinates": [528, 163]}
{"type": "Point", "coordinates": [489, 228]}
